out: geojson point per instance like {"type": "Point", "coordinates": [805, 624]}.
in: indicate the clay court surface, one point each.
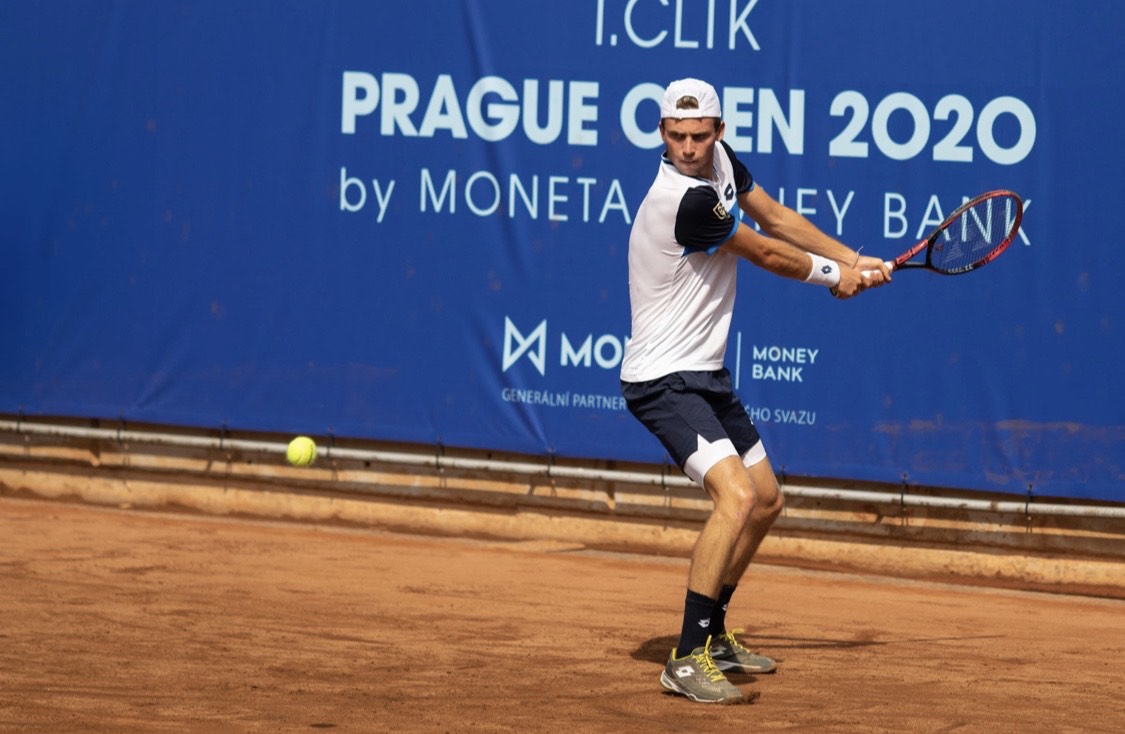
{"type": "Point", "coordinates": [113, 620]}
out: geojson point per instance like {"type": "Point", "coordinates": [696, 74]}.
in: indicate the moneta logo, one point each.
{"type": "Point", "coordinates": [516, 345]}
{"type": "Point", "coordinates": [605, 351]}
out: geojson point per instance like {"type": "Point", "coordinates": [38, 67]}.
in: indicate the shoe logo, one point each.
{"type": "Point", "coordinates": [705, 623]}
{"type": "Point", "coordinates": [684, 671]}
{"type": "Point", "coordinates": [718, 650]}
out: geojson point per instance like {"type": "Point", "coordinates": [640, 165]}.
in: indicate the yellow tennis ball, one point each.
{"type": "Point", "coordinates": [301, 451]}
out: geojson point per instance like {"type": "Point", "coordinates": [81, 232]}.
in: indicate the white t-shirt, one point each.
{"type": "Point", "coordinates": [681, 286]}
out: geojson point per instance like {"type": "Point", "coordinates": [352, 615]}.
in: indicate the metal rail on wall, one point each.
{"type": "Point", "coordinates": [549, 470]}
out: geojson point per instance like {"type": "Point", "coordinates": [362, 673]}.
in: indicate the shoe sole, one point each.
{"type": "Point", "coordinates": [738, 668]}
{"type": "Point", "coordinates": [671, 686]}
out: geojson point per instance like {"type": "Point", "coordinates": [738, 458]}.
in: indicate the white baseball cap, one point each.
{"type": "Point", "coordinates": [703, 92]}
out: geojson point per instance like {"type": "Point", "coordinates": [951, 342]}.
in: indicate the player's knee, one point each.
{"type": "Point", "coordinates": [768, 505]}
{"type": "Point", "coordinates": [772, 507]}
{"type": "Point", "coordinates": [741, 504]}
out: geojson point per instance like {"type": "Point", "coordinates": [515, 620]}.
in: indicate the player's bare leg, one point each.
{"type": "Point", "coordinates": [768, 503]}
{"type": "Point", "coordinates": [727, 651]}
{"type": "Point", "coordinates": [692, 670]}
{"type": "Point", "coordinates": [729, 485]}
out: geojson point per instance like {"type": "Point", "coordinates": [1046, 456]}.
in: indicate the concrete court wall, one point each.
{"type": "Point", "coordinates": [1053, 553]}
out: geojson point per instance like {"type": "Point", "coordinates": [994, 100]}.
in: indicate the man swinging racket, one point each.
{"type": "Point", "coordinates": [684, 250]}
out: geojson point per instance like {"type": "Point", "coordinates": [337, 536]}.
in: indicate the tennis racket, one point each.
{"type": "Point", "coordinates": [974, 235]}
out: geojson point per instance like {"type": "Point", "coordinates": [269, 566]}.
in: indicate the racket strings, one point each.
{"type": "Point", "coordinates": [978, 234]}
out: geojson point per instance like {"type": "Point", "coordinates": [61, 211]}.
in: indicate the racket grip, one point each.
{"type": "Point", "coordinates": [868, 273]}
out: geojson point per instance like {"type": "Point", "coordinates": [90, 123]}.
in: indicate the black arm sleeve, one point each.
{"type": "Point", "coordinates": [702, 222]}
{"type": "Point", "coordinates": [743, 181]}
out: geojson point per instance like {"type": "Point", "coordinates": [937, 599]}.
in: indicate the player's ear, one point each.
{"type": "Point", "coordinates": [720, 128]}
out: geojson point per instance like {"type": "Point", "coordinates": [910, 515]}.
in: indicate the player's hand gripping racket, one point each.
{"type": "Point", "coordinates": [974, 235]}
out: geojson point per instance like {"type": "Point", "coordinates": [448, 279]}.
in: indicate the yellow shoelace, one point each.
{"type": "Point", "coordinates": [707, 663]}
{"type": "Point", "coordinates": [731, 640]}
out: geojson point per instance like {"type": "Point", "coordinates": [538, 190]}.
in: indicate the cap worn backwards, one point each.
{"type": "Point", "coordinates": [689, 98]}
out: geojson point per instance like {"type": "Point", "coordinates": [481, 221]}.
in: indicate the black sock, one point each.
{"type": "Point", "coordinates": [719, 617]}
{"type": "Point", "coordinates": [697, 622]}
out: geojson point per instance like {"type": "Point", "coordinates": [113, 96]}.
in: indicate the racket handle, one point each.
{"type": "Point", "coordinates": [868, 273]}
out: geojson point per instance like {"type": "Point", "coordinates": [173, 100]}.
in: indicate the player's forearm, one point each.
{"type": "Point", "coordinates": [803, 234]}
{"type": "Point", "coordinates": [780, 222]}
{"type": "Point", "coordinates": [773, 254]}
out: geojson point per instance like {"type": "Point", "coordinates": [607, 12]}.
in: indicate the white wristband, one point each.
{"type": "Point", "coordinates": [824, 271]}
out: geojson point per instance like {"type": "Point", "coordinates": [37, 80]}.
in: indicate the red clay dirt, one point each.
{"type": "Point", "coordinates": [122, 621]}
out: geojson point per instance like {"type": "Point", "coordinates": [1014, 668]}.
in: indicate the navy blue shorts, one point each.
{"type": "Point", "coordinates": [698, 419]}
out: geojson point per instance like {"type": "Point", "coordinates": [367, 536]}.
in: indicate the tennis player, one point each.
{"type": "Point", "coordinates": [684, 250]}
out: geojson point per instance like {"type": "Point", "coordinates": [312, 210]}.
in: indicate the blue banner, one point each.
{"type": "Point", "coordinates": [410, 222]}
